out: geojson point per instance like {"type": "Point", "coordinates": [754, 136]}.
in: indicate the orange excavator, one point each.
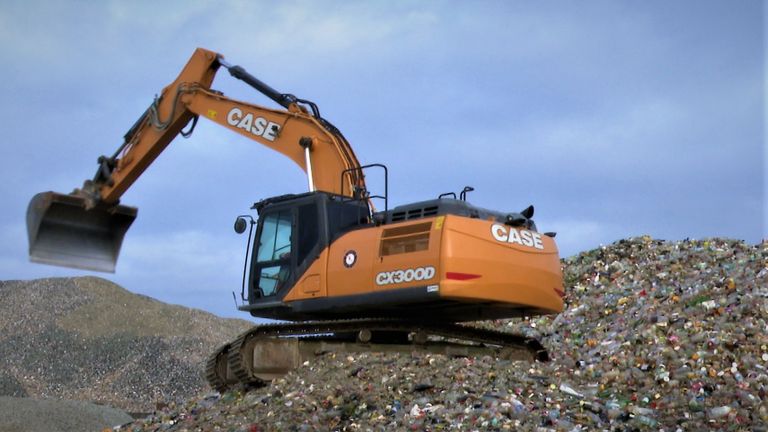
{"type": "Point", "coordinates": [346, 276]}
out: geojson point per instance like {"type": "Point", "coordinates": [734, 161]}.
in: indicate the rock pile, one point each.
{"type": "Point", "coordinates": [88, 339]}
{"type": "Point", "coordinates": [49, 415]}
{"type": "Point", "coordinates": [655, 336]}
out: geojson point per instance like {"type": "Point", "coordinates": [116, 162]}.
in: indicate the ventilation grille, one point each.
{"type": "Point", "coordinates": [411, 238]}
{"type": "Point", "coordinates": [414, 213]}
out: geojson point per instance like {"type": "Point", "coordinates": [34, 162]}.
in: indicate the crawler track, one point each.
{"type": "Point", "coordinates": [215, 370]}
{"type": "Point", "coordinates": [287, 345]}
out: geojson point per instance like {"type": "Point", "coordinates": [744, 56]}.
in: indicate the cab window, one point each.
{"type": "Point", "coordinates": [275, 240]}
{"type": "Point", "coordinates": [273, 258]}
{"type": "Point", "coordinates": [272, 278]}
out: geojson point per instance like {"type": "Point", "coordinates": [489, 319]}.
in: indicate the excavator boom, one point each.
{"type": "Point", "coordinates": [85, 229]}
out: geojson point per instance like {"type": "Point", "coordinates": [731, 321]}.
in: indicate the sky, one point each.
{"type": "Point", "coordinates": [613, 118]}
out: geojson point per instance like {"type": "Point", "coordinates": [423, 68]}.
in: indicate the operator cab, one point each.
{"type": "Point", "coordinates": [291, 232]}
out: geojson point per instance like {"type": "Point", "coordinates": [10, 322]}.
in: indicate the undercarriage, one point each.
{"type": "Point", "coordinates": [270, 351]}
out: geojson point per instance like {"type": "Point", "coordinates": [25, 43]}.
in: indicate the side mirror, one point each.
{"type": "Point", "coordinates": [240, 225]}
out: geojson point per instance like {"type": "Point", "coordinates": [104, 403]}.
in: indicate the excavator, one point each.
{"type": "Point", "coordinates": [334, 272]}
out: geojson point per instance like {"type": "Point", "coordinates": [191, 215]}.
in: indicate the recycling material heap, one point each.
{"type": "Point", "coordinates": [655, 335]}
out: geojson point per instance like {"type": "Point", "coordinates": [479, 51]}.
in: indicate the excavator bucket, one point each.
{"type": "Point", "coordinates": [62, 232]}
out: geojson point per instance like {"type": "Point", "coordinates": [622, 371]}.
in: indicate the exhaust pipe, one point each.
{"type": "Point", "coordinates": [63, 232]}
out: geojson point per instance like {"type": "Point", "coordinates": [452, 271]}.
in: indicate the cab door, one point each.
{"type": "Point", "coordinates": [286, 252]}
{"type": "Point", "coordinates": [271, 270]}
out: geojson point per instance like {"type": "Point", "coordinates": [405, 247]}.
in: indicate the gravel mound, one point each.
{"type": "Point", "coordinates": [40, 415]}
{"type": "Point", "coordinates": [88, 339]}
{"type": "Point", "coordinates": [655, 336]}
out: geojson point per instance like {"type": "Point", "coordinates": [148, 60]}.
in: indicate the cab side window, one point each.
{"type": "Point", "coordinates": [275, 241]}
{"type": "Point", "coordinates": [273, 259]}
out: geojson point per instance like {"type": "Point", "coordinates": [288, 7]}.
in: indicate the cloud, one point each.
{"type": "Point", "coordinates": [577, 235]}
{"type": "Point", "coordinates": [12, 256]}
{"type": "Point", "coordinates": [155, 17]}
{"type": "Point", "coordinates": [193, 268]}
{"type": "Point", "coordinates": [311, 30]}
{"type": "Point", "coordinates": [614, 140]}
{"type": "Point", "coordinates": [173, 253]}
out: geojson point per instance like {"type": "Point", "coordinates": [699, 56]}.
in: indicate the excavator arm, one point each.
{"type": "Point", "coordinates": [293, 131]}
{"type": "Point", "coordinates": [85, 229]}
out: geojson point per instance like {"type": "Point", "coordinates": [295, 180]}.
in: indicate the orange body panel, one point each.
{"type": "Point", "coordinates": [425, 263]}
{"type": "Point", "coordinates": [313, 283]}
{"type": "Point", "coordinates": [327, 155]}
{"type": "Point", "coordinates": [356, 279]}
{"type": "Point", "coordinates": [461, 258]}
{"type": "Point", "coordinates": [510, 273]}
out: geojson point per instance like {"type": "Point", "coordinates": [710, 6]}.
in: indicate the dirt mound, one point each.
{"type": "Point", "coordinates": [35, 415]}
{"type": "Point", "coordinates": [91, 340]}
{"type": "Point", "coordinates": [655, 335]}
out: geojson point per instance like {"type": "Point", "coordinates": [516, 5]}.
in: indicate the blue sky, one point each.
{"type": "Point", "coordinates": [614, 118]}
